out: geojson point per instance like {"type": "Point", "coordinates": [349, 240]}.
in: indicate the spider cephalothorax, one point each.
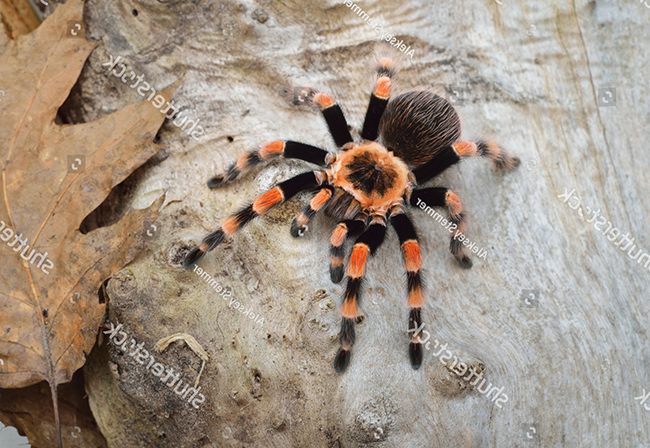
{"type": "Point", "coordinates": [370, 174]}
{"type": "Point", "coordinates": [367, 185]}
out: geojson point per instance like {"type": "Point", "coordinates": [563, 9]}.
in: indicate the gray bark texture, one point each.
{"type": "Point", "coordinates": [555, 314]}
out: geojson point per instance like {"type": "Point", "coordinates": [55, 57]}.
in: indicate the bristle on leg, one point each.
{"type": "Point", "coordinates": [300, 224]}
{"type": "Point", "coordinates": [415, 345]}
{"type": "Point", "coordinates": [243, 164]}
{"type": "Point", "coordinates": [415, 354]}
{"type": "Point", "coordinates": [216, 181]}
{"type": "Point", "coordinates": [386, 61]}
{"type": "Point", "coordinates": [385, 69]}
{"type": "Point", "coordinates": [346, 338]}
{"type": "Point", "coordinates": [267, 152]}
{"type": "Point", "coordinates": [366, 244]}
{"type": "Point", "coordinates": [456, 249]}
{"type": "Point", "coordinates": [193, 257]}
{"type": "Point", "coordinates": [342, 360]}
{"type": "Point", "coordinates": [342, 231]}
{"type": "Point", "coordinates": [224, 178]}
{"type": "Point", "coordinates": [211, 241]}
{"type": "Point", "coordinates": [501, 159]}
{"type": "Point", "coordinates": [299, 96]}
{"type": "Point", "coordinates": [336, 251]}
{"type": "Point", "coordinates": [444, 197]}
{"type": "Point", "coordinates": [235, 222]}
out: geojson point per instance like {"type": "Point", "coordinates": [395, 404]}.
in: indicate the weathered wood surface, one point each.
{"type": "Point", "coordinates": [528, 74]}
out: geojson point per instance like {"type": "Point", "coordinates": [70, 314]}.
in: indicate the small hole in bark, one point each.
{"type": "Point", "coordinates": [230, 139]}
{"type": "Point", "coordinates": [135, 13]}
{"type": "Point", "coordinates": [177, 254]}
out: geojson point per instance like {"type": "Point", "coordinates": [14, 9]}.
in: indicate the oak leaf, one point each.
{"type": "Point", "coordinates": [52, 177]}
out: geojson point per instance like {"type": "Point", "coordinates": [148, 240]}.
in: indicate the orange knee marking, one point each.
{"type": "Point", "coordinates": [357, 264]}
{"type": "Point", "coordinates": [493, 150]}
{"type": "Point", "coordinates": [465, 149]}
{"type": "Point", "coordinates": [416, 298]}
{"type": "Point", "coordinates": [339, 234]}
{"type": "Point", "coordinates": [382, 87]}
{"type": "Point", "coordinates": [349, 308]}
{"type": "Point", "coordinates": [318, 201]}
{"type": "Point", "coordinates": [302, 219]}
{"type": "Point", "coordinates": [386, 62]}
{"type": "Point", "coordinates": [264, 203]}
{"type": "Point", "coordinates": [412, 260]}
{"type": "Point", "coordinates": [336, 261]}
{"type": "Point", "coordinates": [270, 150]}
{"type": "Point", "coordinates": [324, 101]}
{"type": "Point", "coordinates": [242, 162]}
{"type": "Point", "coordinates": [230, 225]}
{"type": "Point", "coordinates": [453, 204]}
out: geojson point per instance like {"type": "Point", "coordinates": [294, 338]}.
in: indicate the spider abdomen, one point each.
{"type": "Point", "coordinates": [417, 124]}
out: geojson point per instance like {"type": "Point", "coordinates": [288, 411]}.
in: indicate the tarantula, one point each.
{"type": "Point", "coordinates": [365, 185]}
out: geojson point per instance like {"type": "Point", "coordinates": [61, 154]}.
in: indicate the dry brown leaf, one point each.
{"type": "Point", "coordinates": [49, 321]}
{"type": "Point", "coordinates": [18, 17]}
{"type": "Point", "coordinates": [30, 411]}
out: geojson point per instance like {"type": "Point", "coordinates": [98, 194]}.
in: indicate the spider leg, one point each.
{"type": "Point", "coordinates": [444, 197]}
{"type": "Point", "coordinates": [367, 243]}
{"type": "Point", "coordinates": [329, 108]}
{"type": "Point", "coordinates": [280, 193]}
{"type": "Point", "coordinates": [451, 154]}
{"type": "Point", "coordinates": [334, 117]}
{"type": "Point", "coordinates": [342, 230]}
{"type": "Point", "coordinates": [301, 223]}
{"type": "Point", "coordinates": [385, 70]}
{"type": "Point", "coordinates": [413, 264]}
{"type": "Point", "coordinates": [269, 151]}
